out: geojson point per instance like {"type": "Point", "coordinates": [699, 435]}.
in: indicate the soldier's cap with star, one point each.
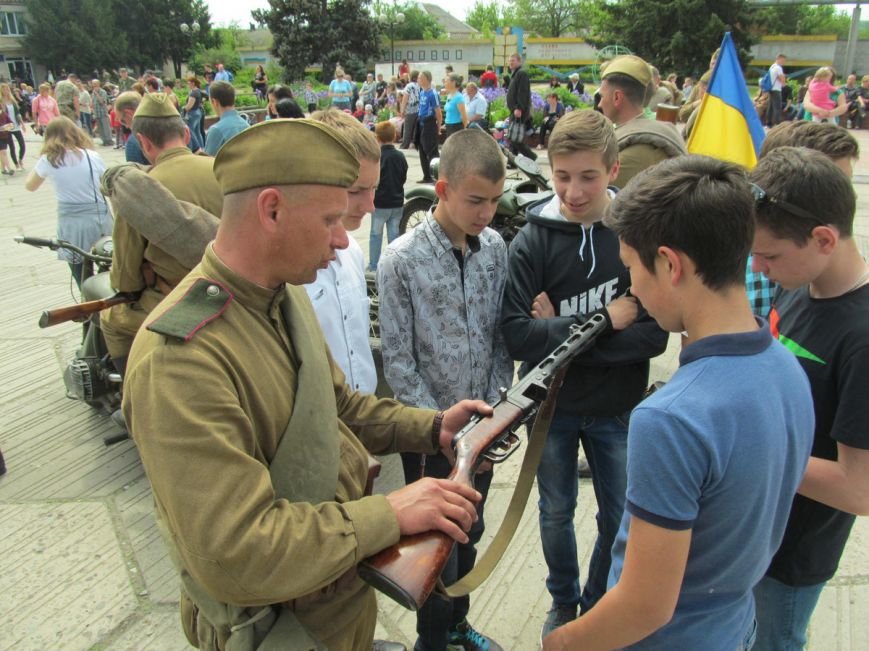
{"type": "Point", "coordinates": [286, 152]}
{"type": "Point", "coordinates": [631, 66]}
{"type": "Point", "coordinates": [156, 105]}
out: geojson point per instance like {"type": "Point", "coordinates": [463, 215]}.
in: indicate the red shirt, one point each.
{"type": "Point", "coordinates": [487, 76]}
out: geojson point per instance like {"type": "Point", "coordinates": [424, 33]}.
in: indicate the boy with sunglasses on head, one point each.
{"type": "Point", "coordinates": [804, 242]}
{"type": "Point", "coordinates": [714, 456]}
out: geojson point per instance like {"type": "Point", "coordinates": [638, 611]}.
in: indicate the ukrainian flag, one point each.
{"type": "Point", "coordinates": [727, 126]}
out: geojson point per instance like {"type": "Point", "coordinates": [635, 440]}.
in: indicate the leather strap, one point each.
{"type": "Point", "coordinates": [536, 440]}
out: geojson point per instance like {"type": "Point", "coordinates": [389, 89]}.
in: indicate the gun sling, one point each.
{"type": "Point", "coordinates": [492, 556]}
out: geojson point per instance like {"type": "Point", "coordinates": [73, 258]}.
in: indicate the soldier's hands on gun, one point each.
{"type": "Point", "coordinates": [441, 504]}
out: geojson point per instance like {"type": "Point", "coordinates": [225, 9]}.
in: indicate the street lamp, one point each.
{"type": "Point", "coordinates": [392, 20]}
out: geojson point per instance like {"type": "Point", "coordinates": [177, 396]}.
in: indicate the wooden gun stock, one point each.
{"type": "Point", "coordinates": [409, 570]}
{"type": "Point", "coordinates": [83, 310]}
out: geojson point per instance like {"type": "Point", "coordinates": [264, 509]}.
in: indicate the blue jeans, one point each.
{"type": "Point", "coordinates": [389, 216]}
{"type": "Point", "coordinates": [604, 441]}
{"type": "Point", "coordinates": [194, 120]}
{"type": "Point", "coordinates": [783, 614]}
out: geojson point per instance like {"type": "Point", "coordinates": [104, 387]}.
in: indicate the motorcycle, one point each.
{"type": "Point", "coordinates": [509, 215]}
{"type": "Point", "coordinates": [90, 376]}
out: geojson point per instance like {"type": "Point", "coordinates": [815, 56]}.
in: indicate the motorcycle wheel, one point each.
{"type": "Point", "coordinates": [414, 213]}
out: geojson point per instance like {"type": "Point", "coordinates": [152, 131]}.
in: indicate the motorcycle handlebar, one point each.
{"type": "Point", "coordinates": [55, 244]}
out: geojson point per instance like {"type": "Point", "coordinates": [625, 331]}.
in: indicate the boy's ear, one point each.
{"type": "Point", "coordinates": [614, 171]}
{"type": "Point", "coordinates": [671, 263]}
{"type": "Point", "coordinates": [825, 238]}
{"type": "Point", "coordinates": [441, 189]}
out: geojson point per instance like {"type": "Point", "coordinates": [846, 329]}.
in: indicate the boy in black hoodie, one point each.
{"type": "Point", "coordinates": [564, 267]}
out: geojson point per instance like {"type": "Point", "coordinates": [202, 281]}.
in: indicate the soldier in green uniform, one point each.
{"type": "Point", "coordinates": [254, 445]}
{"type": "Point", "coordinates": [139, 265]}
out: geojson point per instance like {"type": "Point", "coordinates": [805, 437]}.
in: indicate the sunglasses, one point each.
{"type": "Point", "coordinates": [762, 198]}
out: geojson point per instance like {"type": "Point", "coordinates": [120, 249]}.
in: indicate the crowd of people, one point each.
{"type": "Point", "coordinates": [724, 499]}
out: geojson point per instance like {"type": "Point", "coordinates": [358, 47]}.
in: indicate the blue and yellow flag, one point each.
{"type": "Point", "coordinates": [727, 126]}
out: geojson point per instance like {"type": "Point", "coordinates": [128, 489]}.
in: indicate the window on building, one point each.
{"type": "Point", "coordinates": [422, 55]}
{"type": "Point", "coordinates": [434, 55]}
{"type": "Point", "coordinates": [458, 55]}
{"type": "Point", "coordinates": [445, 54]}
{"type": "Point", "coordinates": [12, 23]}
{"type": "Point", "coordinates": [398, 54]}
{"type": "Point", "coordinates": [410, 55]}
{"type": "Point", "coordinates": [19, 68]}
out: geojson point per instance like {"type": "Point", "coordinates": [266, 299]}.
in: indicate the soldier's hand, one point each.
{"type": "Point", "coordinates": [541, 307]}
{"type": "Point", "coordinates": [435, 504]}
{"type": "Point", "coordinates": [622, 312]}
{"type": "Point", "coordinates": [456, 417]}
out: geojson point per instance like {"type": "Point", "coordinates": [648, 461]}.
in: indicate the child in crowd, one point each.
{"type": "Point", "coordinates": [820, 90]}
{"type": "Point", "coordinates": [440, 297]}
{"type": "Point", "coordinates": [310, 97]}
{"type": "Point", "coordinates": [564, 268]}
{"type": "Point", "coordinates": [369, 118]}
{"type": "Point", "coordinates": [716, 455]}
{"type": "Point", "coordinates": [389, 196]}
{"type": "Point", "coordinates": [118, 129]}
{"type": "Point", "coordinates": [804, 242]}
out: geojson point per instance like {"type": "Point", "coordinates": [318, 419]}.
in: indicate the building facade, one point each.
{"type": "Point", "coordinates": [14, 64]}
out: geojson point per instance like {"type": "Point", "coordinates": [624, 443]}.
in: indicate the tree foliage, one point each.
{"type": "Point", "coordinates": [327, 32]}
{"type": "Point", "coordinates": [675, 36]}
{"type": "Point", "coordinates": [803, 20]}
{"type": "Point", "coordinates": [417, 24]}
{"type": "Point", "coordinates": [551, 17]}
{"type": "Point", "coordinates": [486, 17]}
{"type": "Point", "coordinates": [84, 35]}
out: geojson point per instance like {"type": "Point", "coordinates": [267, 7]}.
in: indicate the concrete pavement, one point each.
{"type": "Point", "coordinates": [81, 563]}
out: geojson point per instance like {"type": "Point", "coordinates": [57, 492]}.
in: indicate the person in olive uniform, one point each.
{"type": "Point", "coordinates": [139, 265]}
{"type": "Point", "coordinates": [254, 445]}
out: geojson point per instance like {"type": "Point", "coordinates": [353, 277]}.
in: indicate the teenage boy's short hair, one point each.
{"type": "Point", "coordinates": [385, 132]}
{"type": "Point", "coordinates": [828, 138]}
{"type": "Point", "coordinates": [364, 143]}
{"type": "Point", "coordinates": [807, 179]}
{"type": "Point", "coordinates": [471, 152]}
{"type": "Point", "coordinates": [222, 92]}
{"type": "Point", "coordinates": [700, 206]}
{"type": "Point", "coordinates": [585, 131]}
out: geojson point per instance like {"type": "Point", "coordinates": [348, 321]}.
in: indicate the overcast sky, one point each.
{"type": "Point", "coordinates": [224, 12]}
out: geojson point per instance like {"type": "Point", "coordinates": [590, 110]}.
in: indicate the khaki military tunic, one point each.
{"type": "Point", "coordinates": [644, 142]}
{"type": "Point", "coordinates": [189, 178]}
{"type": "Point", "coordinates": [207, 415]}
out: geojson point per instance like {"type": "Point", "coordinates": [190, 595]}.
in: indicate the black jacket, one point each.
{"type": "Point", "coordinates": [519, 94]}
{"type": "Point", "coordinates": [393, 174]}
{"type": "Point", "coordinates": [579, 268]}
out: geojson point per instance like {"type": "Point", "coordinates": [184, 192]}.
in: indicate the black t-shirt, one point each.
{"type": "Point", "coordinates": [830, 338]}
{"type": "Point", "coordinates": [196, 94]}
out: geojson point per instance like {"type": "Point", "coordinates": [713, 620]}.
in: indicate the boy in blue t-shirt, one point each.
{"type": "Point", "coordinates": [716, 455]}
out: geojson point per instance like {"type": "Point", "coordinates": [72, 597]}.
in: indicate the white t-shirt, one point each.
{"type": "Point", "coordinates": [73, 181]}
{"type": "Point", "coordinates": [775, 72]}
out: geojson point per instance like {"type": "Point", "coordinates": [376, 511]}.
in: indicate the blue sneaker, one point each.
{"type": "Point", "coordinates": [464, 638]}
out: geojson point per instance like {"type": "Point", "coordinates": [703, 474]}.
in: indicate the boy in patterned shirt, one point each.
{"type": "Point", "coordinates": [440, 301]}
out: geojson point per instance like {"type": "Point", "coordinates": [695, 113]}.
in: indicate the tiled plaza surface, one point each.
{"type": "Point", "coordinates": [81, 563]}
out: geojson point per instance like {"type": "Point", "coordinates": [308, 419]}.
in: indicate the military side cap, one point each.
{"type": "Point", "coordinates": [205, 301]}
{"type": "Point", "coordinates": [630, 65]}
{"type": "Point", "coordinates": [156, 105]}
{"type": "Point", "coordinates": [286, 152]}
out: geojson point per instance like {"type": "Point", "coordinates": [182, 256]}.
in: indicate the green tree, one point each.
{"type": "Point", "coordinates": [73, 36]}
{"type": "Point", "coordinates": [417, 24]}
{"type": "Point", "coordinates": [486, 17]}
{"type": "Point", "coordinates": [551, 17]}
{"type": "Point", "coordinates": [327, 32]}
{"type": "Point", "coordinates": [155, 30]}
{"type": "Point", "coordinates": [225, 51]}
{"type": "Point", "coordinates": [803, 20]}
{"type": "Point", "coordinates": [675, 36]}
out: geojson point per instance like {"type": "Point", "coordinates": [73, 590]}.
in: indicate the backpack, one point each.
{"type": "Point", "coordinates": [766, 82]}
